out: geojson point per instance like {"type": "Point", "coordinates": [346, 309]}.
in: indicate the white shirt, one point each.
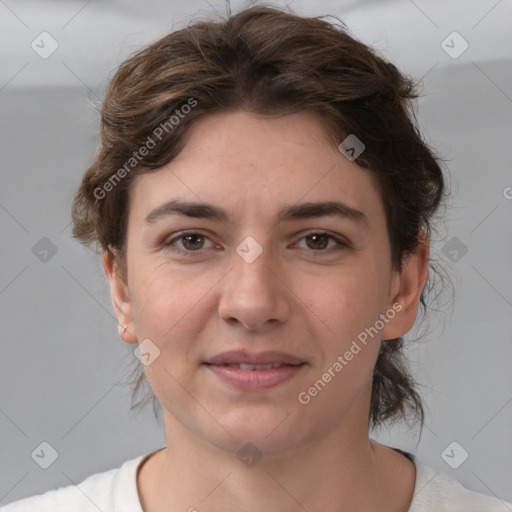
{"type": "Point", "coordinates": [116, 491]}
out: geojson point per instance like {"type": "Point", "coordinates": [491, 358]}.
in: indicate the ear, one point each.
{"type": "Point", "coordinates": [120, 300]}
{"type": "Point", "coordinates": [405, 290]}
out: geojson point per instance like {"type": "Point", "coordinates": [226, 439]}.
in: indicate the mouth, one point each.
{"type": "Point", "coordinates": [254, 372]}
{"type": "Point", "coordinates": [254, 367]}
{"type": "Point", "coordinates": [242, 357]}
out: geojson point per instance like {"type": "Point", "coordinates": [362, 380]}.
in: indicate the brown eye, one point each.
{"type": "Point", "coordinates": [191, 242]}
{"type": "Point", "coordinates": [319, 241]}
{"type": "Point", "coordinates": [188, 243]}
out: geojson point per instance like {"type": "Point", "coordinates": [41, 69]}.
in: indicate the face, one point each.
{"type": "Point", "coordinates": [290, 264]}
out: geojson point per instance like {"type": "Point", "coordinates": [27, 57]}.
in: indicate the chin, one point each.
{"type": "Point", "coordinates": [272, 432]}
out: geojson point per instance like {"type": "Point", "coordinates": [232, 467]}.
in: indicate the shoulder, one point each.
{"type": "Point", "coordinates": [106, 491]}
{"type": "Point", "coordinates": [436, 491]}
{"type": "Point", "coordinates": [92, 494]}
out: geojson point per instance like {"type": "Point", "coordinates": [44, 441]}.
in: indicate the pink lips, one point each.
{"type": "Point", "coordinates": [241, 356]}
{"type": "Point", "coordinates": [253, 372]}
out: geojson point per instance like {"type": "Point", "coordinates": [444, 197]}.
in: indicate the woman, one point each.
{"type": "Point", "coordinates": [264, 203]}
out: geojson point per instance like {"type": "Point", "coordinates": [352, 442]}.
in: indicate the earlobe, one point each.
{"type": "Point", "coordinates": [406, 290]}
{"type": "Point", "coordinates": [120, 300]}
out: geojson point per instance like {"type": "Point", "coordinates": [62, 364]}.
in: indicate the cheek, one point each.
{"type": "Point", "coordinates": [157, 298]}
{"type": "Point", "coordinates": [348, 311]}
{"type": "Point", "coordinates": [153, 299]}
{"type": "Point", "coordinates": [348, 301]}
{"type": "Point", "coordinates": [169, 305]}
{"type": "Point", "coordinates": [168, 308]}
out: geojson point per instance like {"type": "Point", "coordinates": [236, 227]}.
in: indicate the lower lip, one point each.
{"type": "Point", "coordinates": [255, 380]}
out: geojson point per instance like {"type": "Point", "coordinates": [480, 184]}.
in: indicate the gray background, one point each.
{"type": "Point", "coordinates": [62, 362]}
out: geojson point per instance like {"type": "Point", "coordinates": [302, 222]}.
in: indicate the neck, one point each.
{"type": "Point", "coordinates": [345, 472]}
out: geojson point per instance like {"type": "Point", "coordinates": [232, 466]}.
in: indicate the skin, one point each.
{"type": "Point", "coordinates": [303, 296]}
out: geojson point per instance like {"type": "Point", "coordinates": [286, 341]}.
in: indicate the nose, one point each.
{"type": "Point", "coordinates": [255, 295]}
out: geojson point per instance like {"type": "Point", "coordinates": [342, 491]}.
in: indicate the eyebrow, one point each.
{"type": "Point", "coordinates": [286, 213]}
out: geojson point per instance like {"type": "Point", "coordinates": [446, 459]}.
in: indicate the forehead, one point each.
{"type": "Point", "coordinates": [250, 165]}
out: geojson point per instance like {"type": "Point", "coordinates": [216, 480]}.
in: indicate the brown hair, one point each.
{"type": "Point", "coordinates": [269, 62]}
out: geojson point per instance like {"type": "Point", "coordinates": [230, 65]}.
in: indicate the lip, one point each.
{"type": "Point", "coordinates": [254, 380]}
{"type": "Point", "coordinates": [244, 357]}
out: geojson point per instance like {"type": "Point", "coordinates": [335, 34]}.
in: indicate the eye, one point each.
{"type": "Point", "coordinates": [319, 242]}
{"type": "Point", "coordinates": [187, 242]}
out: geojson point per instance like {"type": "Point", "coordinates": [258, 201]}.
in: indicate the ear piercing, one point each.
{"type": "Point", "coordinates": [124, 329]}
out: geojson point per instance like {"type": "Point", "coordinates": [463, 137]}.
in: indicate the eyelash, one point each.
{"type": "Point", "coordinates": [171, 246]}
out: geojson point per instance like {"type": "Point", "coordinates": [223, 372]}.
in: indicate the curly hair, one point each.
{"type": "Point", "coordinates": [269, 62]}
